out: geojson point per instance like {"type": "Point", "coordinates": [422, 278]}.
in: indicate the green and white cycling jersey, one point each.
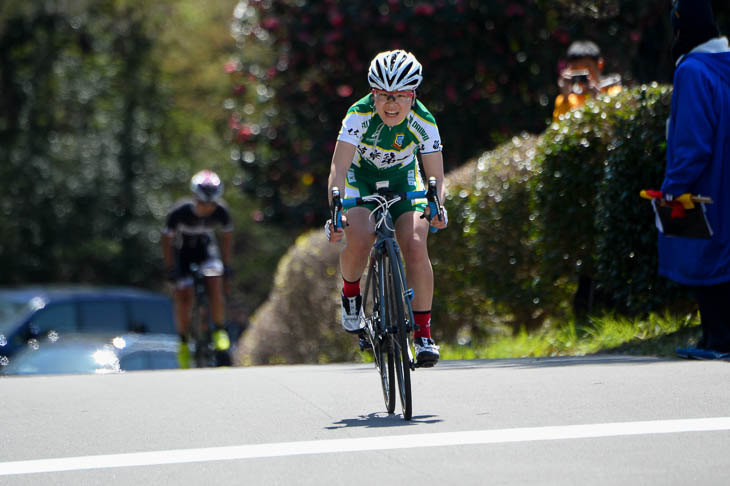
{"type": "Point", "coordinates": [384, 148]}
{"type": "Point", "coordinates": [388, 153]}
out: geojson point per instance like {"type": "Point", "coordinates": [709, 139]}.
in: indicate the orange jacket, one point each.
{"type": "Point", "coordinates": [563, 105]}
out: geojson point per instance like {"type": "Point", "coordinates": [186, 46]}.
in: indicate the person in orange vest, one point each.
{"type": "Point", "coordinates": [582, 77]}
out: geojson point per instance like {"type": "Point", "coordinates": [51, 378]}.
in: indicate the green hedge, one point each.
{"type": "Point", "coordinates": [487, 263]}
{"type": "Point", "coordinates": [625, 243]}
{"type": "Point", "coordinates": [536, 216]}
{"type": "Point", "coordinates": [592, 224]}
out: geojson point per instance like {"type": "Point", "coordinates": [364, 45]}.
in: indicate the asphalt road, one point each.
{"type": "Point", "coordinates": [593, 420]}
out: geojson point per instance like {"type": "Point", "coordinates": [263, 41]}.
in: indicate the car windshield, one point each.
{"type": "Point", "coordinates": [64, 359]}
{"type": "Point", "coordinates": [13, 310]}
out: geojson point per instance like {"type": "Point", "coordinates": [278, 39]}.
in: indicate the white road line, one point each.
{"type": "Point", "coordinates": [251, 451]}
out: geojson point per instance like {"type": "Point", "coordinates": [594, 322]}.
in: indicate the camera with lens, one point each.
{"type": "Point", "coordinates": [579, 82]}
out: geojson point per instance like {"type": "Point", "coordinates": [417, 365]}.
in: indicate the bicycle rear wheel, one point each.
{"type": "Point", "coordinates": [398, 321]}
{"type": "Point", "coordinates": [373, 305]}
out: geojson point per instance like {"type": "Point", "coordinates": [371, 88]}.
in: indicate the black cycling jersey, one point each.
{"type": "Point", "coordinates": [194, 238]}
{"type": "Point", "coordinates": [190, 230]}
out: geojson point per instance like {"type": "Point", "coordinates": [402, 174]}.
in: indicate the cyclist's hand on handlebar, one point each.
{"type": "Point", "coordinates": [334, 235]}
{"type": "Point", "coordinates": [437, 222]}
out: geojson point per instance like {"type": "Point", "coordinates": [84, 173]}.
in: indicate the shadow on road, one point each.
{"type": "Point", "coordinates": [380, 419]}
{"type": "Point", "coordinates": [550, 362]}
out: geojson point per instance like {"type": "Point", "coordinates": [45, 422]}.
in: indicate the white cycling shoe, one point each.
{"type": "Point", "coordinates": [427, 353]}
{"type": "Point", "coordinates": [352, 316]}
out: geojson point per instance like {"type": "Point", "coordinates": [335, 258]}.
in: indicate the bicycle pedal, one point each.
{"type": "Point", "coordinates": [426, 364]}
{"type": "Point", "coordinates": [365, 344]}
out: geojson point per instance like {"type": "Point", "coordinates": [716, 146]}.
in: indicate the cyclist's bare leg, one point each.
{"type": "Point", "coordinates": [183, 309]}
{"type": "Point", "coordinates": [359, 238]}
{"type": "Point", "coordinates": [214, 287]}
{"type": "Point", "coordinates": [411, 232]}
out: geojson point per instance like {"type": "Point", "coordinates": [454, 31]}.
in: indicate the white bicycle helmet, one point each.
{"type": "Point", "coordinates": [395, 71]}
{"type": "Point", "coordinates": [207, 186]}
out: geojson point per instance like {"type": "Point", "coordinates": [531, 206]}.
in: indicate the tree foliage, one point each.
{"type": "Point", "coordinates": [78, 121]}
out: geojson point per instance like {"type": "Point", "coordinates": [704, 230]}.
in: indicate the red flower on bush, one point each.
{"type": "Point", "coordinates": [344, 90]}
{"type": "Point", "coordinates": [515, 10]}
{"type": "Point", "coordinates": [244, 134]}
{"type": "Point", "coordinates": [336, 18]}
{"type": "Point", "coordinates": [270, 23]}
{"type": "Point", "coordinates": [424, 9]}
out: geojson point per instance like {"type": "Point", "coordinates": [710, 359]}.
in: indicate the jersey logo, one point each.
{"type": "Point", "coordinates": [398, 142]}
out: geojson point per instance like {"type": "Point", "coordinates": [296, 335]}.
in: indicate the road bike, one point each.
{"type": "Point", "coordinates": [204, 353]}
{"type": "Point", "coordinates": [386, 303]}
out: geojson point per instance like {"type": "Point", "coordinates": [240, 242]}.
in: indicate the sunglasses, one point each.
{"type": "Point", "coordinates": [398, 96]}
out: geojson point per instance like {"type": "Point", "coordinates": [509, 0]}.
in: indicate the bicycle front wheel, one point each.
{"type": "Point", "coordinates": [398, 305]}
{"type": "Point", "coordinates": [374, 309]}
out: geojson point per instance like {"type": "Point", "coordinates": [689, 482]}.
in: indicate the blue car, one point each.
{"type": "Point", "coordinates": [90, 353]}
{"type": "Point", "coordinates": [28, 314]}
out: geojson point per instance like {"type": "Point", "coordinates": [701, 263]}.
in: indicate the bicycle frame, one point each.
{"type": "Point", "coordinates": [202, 324]}
{"type": "Point", "coordinates": [200, 321]}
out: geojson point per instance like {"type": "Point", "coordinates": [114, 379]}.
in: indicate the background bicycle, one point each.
{"type": "Point", "coordinates": [204, 352]}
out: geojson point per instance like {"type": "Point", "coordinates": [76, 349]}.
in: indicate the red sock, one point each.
{"type": "Point", "coordinates": [351, 289]}
{"type": "Point", "coordinates": [423, 321]}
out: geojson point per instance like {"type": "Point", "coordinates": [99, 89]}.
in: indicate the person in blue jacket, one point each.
{"type": "Point", "coordinates": [698, 162]}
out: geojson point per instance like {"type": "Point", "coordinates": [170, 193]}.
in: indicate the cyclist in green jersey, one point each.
{"type": "Point", "coordinates": [380, 137]}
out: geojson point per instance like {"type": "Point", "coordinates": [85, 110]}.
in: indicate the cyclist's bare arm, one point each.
{"type": "Point", "coordinates": [227, 247]}
{"type": "Point", "coordinates": [433, 165]}
{"type": "Point", "coordinates": [341, 161]}
{"type": "Point", "coordinates": [167, 255]}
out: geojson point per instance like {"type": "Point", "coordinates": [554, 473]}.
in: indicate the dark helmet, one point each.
{"type": "Point", "coordinates": [693, 25]}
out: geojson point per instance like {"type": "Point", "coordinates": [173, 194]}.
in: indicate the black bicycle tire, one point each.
{"type": "Point", "coordinates": [401, 353]}
{"type": "Point", "coordinates": [204, 356]}
{"type": "Point", "coordinates": [197, 335]}
{"type": "Point", "coordinates": [382, 347]}
{"type": "Point", "coordinates": [387, 346]}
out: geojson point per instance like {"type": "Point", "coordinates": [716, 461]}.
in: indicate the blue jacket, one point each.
{"type": "Point", "coordinates": [698, 162]}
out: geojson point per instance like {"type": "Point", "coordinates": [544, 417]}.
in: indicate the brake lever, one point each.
{"type": "Point", "coordinates": [434, 205]}
{"type": "Point", "coordinates": [336, 209]}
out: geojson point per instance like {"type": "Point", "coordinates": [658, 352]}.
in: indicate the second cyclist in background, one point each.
{"type": "Point", "coordinates": [380, 137]}
{"type": "Point", "coordinates": [189, 240]}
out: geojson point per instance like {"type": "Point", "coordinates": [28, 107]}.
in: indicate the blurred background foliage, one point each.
{"type": "Point", "coordinates": [108, 107]}
{"type": "Point", "coordinates": [106, 110]}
